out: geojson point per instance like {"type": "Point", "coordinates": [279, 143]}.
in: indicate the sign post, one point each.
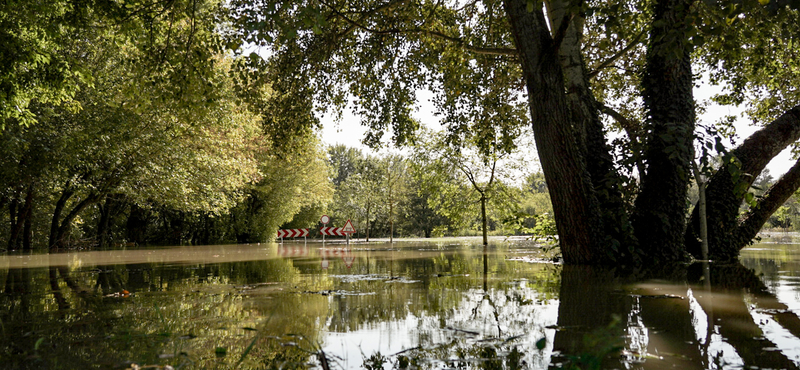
{"type": "Point", "coordinates": [324, 219]}
{"type": "Point", "coordinates": [348, 229]}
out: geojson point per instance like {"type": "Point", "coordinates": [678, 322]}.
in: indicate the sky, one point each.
{"type": "Point", "coordinates": [350, 132]}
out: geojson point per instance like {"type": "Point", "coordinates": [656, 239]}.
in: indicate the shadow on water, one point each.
{"type": "Point", "coordinates": [413, 305]}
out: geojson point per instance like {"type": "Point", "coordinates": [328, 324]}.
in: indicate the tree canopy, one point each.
{"type": "Point", "coordinates": [586, 68]}
{"type": "Point", "coordinates": [578, 72]}
{"type": "Point", "coordinates": [159, 127]}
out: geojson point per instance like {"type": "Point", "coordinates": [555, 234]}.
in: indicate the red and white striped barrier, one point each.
{"type": "Point", "coordinates": [335, 231]}
{"type": "Point", "coordinates": [292, 233]}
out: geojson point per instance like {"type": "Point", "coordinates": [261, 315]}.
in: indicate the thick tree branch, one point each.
{"type": "Point", "coordinates": [631, 128]}
{"type": "Point", "coordinates": [561, 32]}
{"type": "Point", "coordinates": [724, 191]}
{"type": "Point", "coordinates": [774, 198]}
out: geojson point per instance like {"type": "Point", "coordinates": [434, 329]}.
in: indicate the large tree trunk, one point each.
{"type": "Point", "coordinates": [726, 189]}
{"type": "Point", "coordinates": [575, 207]}
{"type": "Point", "coordinates": [108, 211]}
{"type": "Point", "coordinates": [12, 216]}
{"type": "Point", "coordinates": [589, 128]}
{"type": "Point", "coordinates": [660, 213]}
{"type": "Point", "coordinates": [53, 241]}
{"type": "Point", "coordinates": [136, 226]}
{"type": "Point", "coordinates": [27, 218]}
{"type": "Point", "coordinates": [59, 227]}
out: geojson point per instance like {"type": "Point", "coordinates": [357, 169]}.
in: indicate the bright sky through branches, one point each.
{"type": "Point", "coordinates": [350, 132]}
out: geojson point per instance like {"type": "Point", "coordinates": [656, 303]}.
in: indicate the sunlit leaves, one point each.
{"type": "Point", "coordinates": [33, 67]}
{"type": "Point", "coordinates": [458, 178]}
{"type": "Point", "coordinates": [753, 50]}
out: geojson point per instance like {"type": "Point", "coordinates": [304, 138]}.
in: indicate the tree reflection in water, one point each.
{"type": "Point", "coordinates": [675, 317]}
{"type": "Point", "coordinates": [418, 306]}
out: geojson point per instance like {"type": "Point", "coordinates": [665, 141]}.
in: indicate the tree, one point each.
{"type": "Point", "coordinates": [39, 65]}
{"type": "Point", "coordinates": [290, 182]}
{"type": "Point", "coordinates": [360, 196]}
{"type": "Point", "coordinates": [344, 161]}
{"type": "Point", "coordinates": [464, 182]}
{"type": "Point", "coordinates": [420, 212]}
{"type": "Point", "coordinates": [639, 52]}
{"type": "Point", "coordinates": [132, 137]}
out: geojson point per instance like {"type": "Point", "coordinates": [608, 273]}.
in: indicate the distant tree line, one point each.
{"type": "Point", "coordinates": [434, 192]}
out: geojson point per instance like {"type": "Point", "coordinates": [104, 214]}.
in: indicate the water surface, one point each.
{"type": "Point", "coordinates": [416, 304]}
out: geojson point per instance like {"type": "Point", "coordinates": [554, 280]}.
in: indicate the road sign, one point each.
{"type": "Point", "coordinates": [335, 231]}
{"type": "Point", "coordinates": [348, 228]}
{"type": "Point", "coordinates": [325, 219]}
{"type": "Point", "coordinates": [292, 233]}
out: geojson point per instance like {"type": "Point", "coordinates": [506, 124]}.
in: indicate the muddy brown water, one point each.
{"type": "Point", "coordinates": [431, 304]}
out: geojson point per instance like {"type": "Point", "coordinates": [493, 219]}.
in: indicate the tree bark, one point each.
{"type": "Point", "coordinates": [59, 228]}
{"type": "Point", "coordinates": [725, 191]}
{"type": "Point", "coordinates": [484, 222]}
{"type": "Point", "coordinates": [27, 215]}
{"type": "Point", "coordinates": [136, 226]}
{"type": "Point", "coordinates": [589, 128]}
{"type": "Point", "coordinates": [55, 222]}
{"type": "Point", "coordinates": [575, 207]}
{"type": "Point", "coordinates": [108, 210]}
{"type": "Point", "coordinates": [659, 217]}
{"type": "Point", "coordinates": [13, 213]}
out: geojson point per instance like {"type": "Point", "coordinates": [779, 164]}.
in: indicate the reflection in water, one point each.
{"type": "Point", "coordinates": [415, 304]}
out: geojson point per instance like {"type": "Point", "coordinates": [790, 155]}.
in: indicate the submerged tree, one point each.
{"type": "Point", "coordinates": [575, 59]}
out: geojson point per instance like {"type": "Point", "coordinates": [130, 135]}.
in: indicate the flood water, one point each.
{"type": "Point", "coordinates": [437, 304]}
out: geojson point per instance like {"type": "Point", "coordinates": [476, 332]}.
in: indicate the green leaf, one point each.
{"type": "Point", "coordinates": [38, 344]}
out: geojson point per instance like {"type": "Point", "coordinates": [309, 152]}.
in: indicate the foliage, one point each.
{"type": "Point", "coordinates": [632, 61]}
{"type": "Point", "coordinates": [159, 135]}
{"type": "Point", "coordinates": [751, 74]}
{"type": "Point", "coordinates": [461, 181]}
{"type": "Point", "coordinates": [33, 66]}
